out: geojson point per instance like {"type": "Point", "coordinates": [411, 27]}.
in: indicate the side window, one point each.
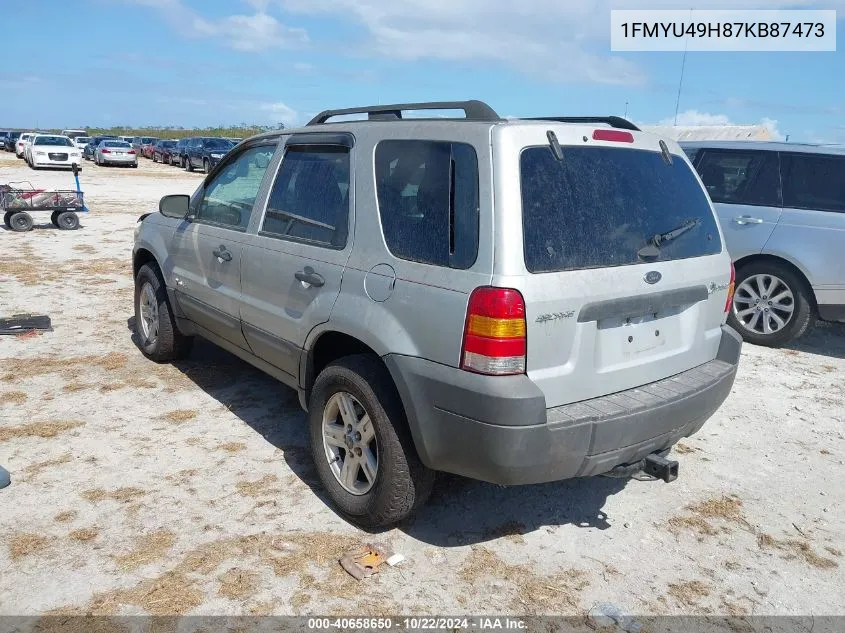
{"type": "Point", "coordinates": [310, 197]}
{"type": "Point", "coordinates": [741, 177]}
{"type": "Point", "coordinates": [229, 197]}
{"type": "Point", "coordinates": [691, 153]}
{"type": "Point", "coordinates": [428, 201]}
{"type": "Point", "coordinates": [814, 182]}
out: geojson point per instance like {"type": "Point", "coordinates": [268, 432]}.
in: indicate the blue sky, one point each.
{"type": "Point", "coordinates": [209, 62]}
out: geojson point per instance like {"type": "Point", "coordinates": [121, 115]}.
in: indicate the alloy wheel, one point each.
{"type": "Point", "coordinates": [350, 443]}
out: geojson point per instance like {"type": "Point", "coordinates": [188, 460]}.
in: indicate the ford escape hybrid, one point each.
{"type": "Point", "coordinates": [516, 301]}
{"type": "Point", "coordinates": [782, 209]}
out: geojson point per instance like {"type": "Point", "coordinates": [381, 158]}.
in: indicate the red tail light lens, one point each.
{"type": "Point", "coordinates": [105, 151]}
{"type": "Point", "coordinates": [494, 334]}
{"type": "Point", "coordinates": [131, 151]}
{"type": "Point", "coordinates": [617, 136]}
{"type": "Point", "coordinates": [731, 287]}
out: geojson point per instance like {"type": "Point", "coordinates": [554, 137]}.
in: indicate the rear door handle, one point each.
{"type": "Point", "coordinates": [747, 219]}
{"type": "Point", "coordinates": [308, 276]}
{"type": "Point", "coordinates": [222, 254]}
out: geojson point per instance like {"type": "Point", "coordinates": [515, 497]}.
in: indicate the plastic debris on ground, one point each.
{"type": "Point", "coordinates": [5, 477]}
{"type": "Point", "coordinates": [365, 561]}
{"type": "Point", "coordinates": [606, 615]}
{"type": "Point", "coordinates": [25, 323]}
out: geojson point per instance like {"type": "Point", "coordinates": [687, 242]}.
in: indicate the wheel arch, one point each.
{"type": "Point", "coordinates": [777, 259]}
{"type": "Point", "coordinates": [326, 347]}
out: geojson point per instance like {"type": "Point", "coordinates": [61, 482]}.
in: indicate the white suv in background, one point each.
{"type": "Point", "coordinates": [782, 211]}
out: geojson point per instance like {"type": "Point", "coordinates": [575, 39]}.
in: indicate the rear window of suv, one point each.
{"type": "Point", "coordinates": [599, 206]}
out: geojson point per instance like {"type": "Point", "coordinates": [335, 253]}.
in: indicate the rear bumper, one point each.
{"type": "Point", "coordinates": [499, 430]}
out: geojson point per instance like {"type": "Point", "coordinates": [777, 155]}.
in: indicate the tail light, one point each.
{"type": "Point", "coordinates": [105, 151]}
{"type": "Point", "coordinates": [494, 335]}
{"type": "Point", "coordinates": [617, 136]}
{"type": "Point", "coordinates": [731, 287]}
{"type": "Point", "coordinates": [131, 151]}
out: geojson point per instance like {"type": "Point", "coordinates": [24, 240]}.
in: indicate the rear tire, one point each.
{"type": "Point", "coordinates": [21, 222]}
{"type": "Point", "coordinates": [189, 166]}
{"type": "Point", "coordinates": [400, 483]}
{"type": "Point", "coordinates": [783, 282]}
{"type": "Point", "coordinates": [67, 221]}
{"type": "Point", "coordinates": [155, 157]}
{"type": "Point", "coordinates": [206, 166]}
{"type": "Point", "coordinates": [151, 304]}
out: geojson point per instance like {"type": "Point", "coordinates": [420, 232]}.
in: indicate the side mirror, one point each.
{"type": "Point", "coordinates": [174, 206]}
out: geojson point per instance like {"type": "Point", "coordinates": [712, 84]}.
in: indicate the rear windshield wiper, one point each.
{"type": "Point", "coordinates": [652, 249]}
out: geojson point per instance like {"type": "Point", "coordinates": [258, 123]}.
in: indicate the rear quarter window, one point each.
{"type": "Point", "coordinates": [428, 201]}
{"type": "Point", "coordinates": [599, 206]}
{"type": "Point", "coordinates": [814, 181]}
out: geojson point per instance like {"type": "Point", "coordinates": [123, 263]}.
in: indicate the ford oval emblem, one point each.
{"type": "Point", "coordinates": [652, 277]}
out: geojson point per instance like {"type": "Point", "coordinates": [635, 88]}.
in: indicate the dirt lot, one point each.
{"type": "Point", "coordinates": [143, 488]}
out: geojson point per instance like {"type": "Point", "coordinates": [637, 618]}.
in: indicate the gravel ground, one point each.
{"type": "Point", "coordinates": [188, 488]}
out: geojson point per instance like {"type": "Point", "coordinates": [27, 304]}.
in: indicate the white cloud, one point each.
{"type": "Point", "coordinates": [250, 33]}
{"type": "Point", "coordinates": [559, 40]}
{"type": "Point", "coordinates": [694, 117]}
{"type": "Point", "coordinates": [280, 112]}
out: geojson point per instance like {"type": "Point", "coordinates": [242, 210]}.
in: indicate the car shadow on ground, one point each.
{"type": "Point", "coordinates": [460, 512]}
{"type": "Point", "coordinates": [825, 339]}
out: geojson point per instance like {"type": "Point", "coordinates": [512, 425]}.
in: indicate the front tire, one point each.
{"type": "Point", "coordinates": [772, 304]}
{"type": "Point", "coordinates": [158, 337]}
{"type": "Point", "coordinates": [361, 444]}
{"type": "Point", "coordinates": [206, 166]}
{"type": "Point", "coordinates": [189, 166]}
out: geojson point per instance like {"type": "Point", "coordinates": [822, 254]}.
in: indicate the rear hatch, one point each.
{"type": "Point", "coordinates": [609, 306]}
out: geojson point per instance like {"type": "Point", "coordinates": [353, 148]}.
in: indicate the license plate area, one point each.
{"type": "Point", "coordinates": [629, 340]}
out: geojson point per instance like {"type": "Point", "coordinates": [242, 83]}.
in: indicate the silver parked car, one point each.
{"type": "Point", "coordinates": [782, 210]}
{"type": "Point", "coordinates": [114, 152]}
{"type": "Point", "coordinates": [516, 301]}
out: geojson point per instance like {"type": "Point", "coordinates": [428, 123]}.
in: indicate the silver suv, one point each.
{"type": "Point", "coordinates": [782, 209]}
{"type": "Point", "coordinates": [516, 301]}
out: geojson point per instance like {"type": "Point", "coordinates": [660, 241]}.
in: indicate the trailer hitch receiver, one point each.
{"type": "Point", "coordinates": [661, 468]}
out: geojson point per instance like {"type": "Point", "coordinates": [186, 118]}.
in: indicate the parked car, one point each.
{"type": "Point", "coordinates": [115, 152]}
{"type": "Point", "coordinates": [205, 152]}
{"type": "Point", "coordinates": [177, 155]}
{"type": "Point", "coordinates": [576, 326]}
{"type": "Point", "coordinates": [782, 210]}
{"type": "Point", "coordinates": [128, 139]}
{"type": "Point", "coordinates": [52, 150]}
{"type": "Point", "coordinates": [11, 140]}
{"type": "Point", "coordinates": [22, 142]}
{"type": "Point", "coordinates": [81, 141]}
{"type": "Point", "coordinates": [147, 150]}
{"type": "Point", "coordinates": [161, 151]}
{"type": "Point", "coordinates": [138, 142]}
{"type": "Point", "coordinates": [90, 149]}
{"type": "Point", "coordinates": [73, 134]}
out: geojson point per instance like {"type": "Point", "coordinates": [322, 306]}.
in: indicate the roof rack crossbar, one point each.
{"type": "Point", "coordinates": [613, 121]}
{"type": "Point", "coordinates": [474, 111]}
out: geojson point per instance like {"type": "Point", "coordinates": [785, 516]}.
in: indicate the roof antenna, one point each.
{"type": "Point", "coordinates": [681, 80]}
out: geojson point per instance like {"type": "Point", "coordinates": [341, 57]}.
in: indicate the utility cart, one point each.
{"type": "Point", "coordinates": [19, 203]}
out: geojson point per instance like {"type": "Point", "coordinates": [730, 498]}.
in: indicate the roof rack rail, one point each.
{"type": "Point", "coordinates": [613, 121]}
{"type": "Point", "coordinates": [474, 111]}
